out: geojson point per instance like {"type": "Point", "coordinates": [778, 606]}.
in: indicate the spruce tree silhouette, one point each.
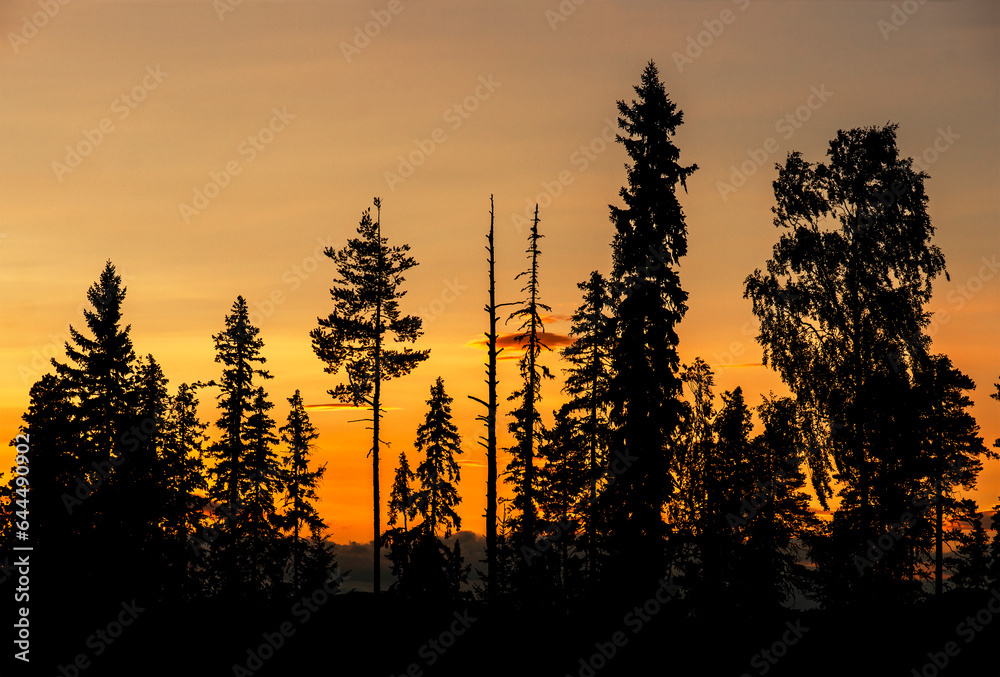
{"type": "Point", "coordinates": [300, 483]}
{"type": "Point", "coordinates": [650, 238]}
{"type": "Point", "coordinates": [238, 348]}
{"type": "Point", "coordinates": [183, 494]}
{"type": "Point", "coordinates": [588, 383]}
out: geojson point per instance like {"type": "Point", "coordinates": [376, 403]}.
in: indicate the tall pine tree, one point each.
{"type": "Point", "coordinates": [355, 335]}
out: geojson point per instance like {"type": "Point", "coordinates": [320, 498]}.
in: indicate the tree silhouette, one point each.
{"type": "Point", "coordinates": [353, 337]}
{"type": "Point", "coordinates": [238, 349]}
{"type": "Point", "coordinates": [402, 501]}
{"type": "Point", "coordinates": [260, 558]}
{"type": "Point", "coordinates": [521, 469]}
{"type": "Point", "coordinates": [650, 238]}
{"type": "Point", "coordinates": [588, 382]}
{"type": "Point", "coordinates": [951, 444]}
{"type": "Point", "coordinates": [563, 500]}
{"type": "Point", "coordinates": [438, 472]}
{"type": "Point", "coordinates": [98, 370]}
{"type": "Point", "coordinates": [184, 485]}
{"type": "Point", "coordinates": [490, 418]}
{"type": "Point", "coordinates": [970, 561]}
{"type": "Point", "coordinates": [842, 320]}
{"type": "Point", "coordinates": [300, 481]}
{"type": "Point", "coordinates": [140, 479]}
{"type": "Point", "coordinates": [778, 533]}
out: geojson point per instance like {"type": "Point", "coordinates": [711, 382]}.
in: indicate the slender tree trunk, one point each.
{"type": "Point", "coordinates": [938, 537]}
{"type": "Point", "coordinates": [491, 425]}
{"type": "Point", "coordinates": [591, 527]}
{"type": "Point", "coordinates": [295, 506]}
{"type": "Point", "coordinates": [529, 400]}
{"type": "Point", "coordinates": [376, 549]}
{"type": "Point", "coordinates": [858, 443]}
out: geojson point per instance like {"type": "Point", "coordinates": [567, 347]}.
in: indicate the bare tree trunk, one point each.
{"type": "Point", "coordinates": [531, 387]}
{"type": "Point", "coordinates": [376, 542]}
{"type": "Point", "coordinates": [491, 424]}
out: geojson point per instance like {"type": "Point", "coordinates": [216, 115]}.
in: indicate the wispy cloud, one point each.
{"type": "Point", "coordinates": [509, 341]}
{"type": "Point", "coordinates": [342, 406]}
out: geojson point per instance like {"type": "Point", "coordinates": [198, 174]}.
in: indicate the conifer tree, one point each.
{"type": "Point", "coordinates": [588, 382]}
{"type": "Point", "coordinates": [238, 349]}
{"type": "Point", "coordinates": [970, 561]}
{"type": "Point", "coordinates": [403, 502]}
{"type": "Point", "coordinates": [299, 436]}
{"type": "Point", "coordinates": [563, 497]}
{"type": "Point", "coordinates": [99, 369]}
{"type": "Point", "coordinates": [521, 469]}
{"type": "Point", "coordinates": [98, 374]}
{"type": "Point", "coordinates": [952, 446]}
{"type": "Point", "coordinates": [438, 472]}
{"type": "Point", "coordinates": [184, 485]}
{"type": "Point", "coordinates": [776, 527]}
{"type": "Point", "coordinates": [354, 336]}
{"type": "Point", "coordinates": [140, 477]}
{"type": "Point", "coordinates": [650, 239]}
{"type": "Point", "coordinates": [258, 518]}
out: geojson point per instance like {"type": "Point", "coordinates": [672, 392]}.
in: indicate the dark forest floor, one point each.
{"type": "Point", "coordinates": [351, 634]}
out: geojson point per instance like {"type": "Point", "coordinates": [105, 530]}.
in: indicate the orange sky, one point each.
{"type": "Point", "coordinates": [302, 122]}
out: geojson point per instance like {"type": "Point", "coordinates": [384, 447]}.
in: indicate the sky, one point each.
{"type": "Point", "coordinates": [214, 149]}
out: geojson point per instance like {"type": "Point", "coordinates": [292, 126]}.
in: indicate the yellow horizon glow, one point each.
{"type": "Point", "coordinates": [491, 98]}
